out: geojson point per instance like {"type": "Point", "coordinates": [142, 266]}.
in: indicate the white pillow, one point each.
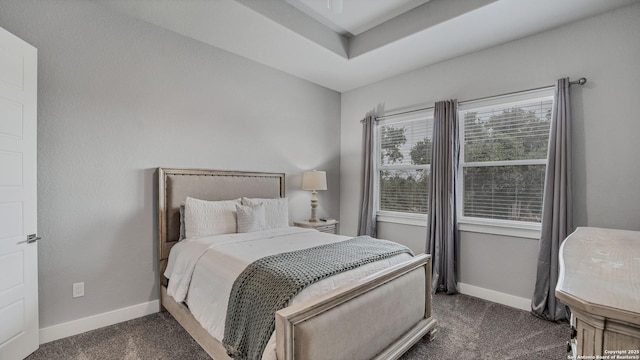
{"type": "Point", "coordinates": [276, 211]}
{"type": "Point", "coordinates": [250, 218]}
{"type": "Point", "coordinates": [205, 218]}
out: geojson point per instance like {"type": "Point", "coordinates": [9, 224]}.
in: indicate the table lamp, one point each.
{"type": "Point", "coordinates": [314, 181]}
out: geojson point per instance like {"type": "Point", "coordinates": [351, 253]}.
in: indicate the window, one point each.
{"type": "Point", "coordinates": [404, 154]}
{"type": "Point", "coordinates": [503, 157]}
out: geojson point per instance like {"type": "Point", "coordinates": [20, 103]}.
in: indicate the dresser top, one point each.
{"type": "Point", "coordinates": [600, 271]}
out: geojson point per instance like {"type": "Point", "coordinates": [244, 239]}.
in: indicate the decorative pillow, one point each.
{"type": "Point", "coordinates": [250, 218]}
{"type": "Point", "coordinates": [205, 218]}
{"type": "Point", "coordinates": [182, 230]}
{"type": "Point", "coordinates": [276, 211]}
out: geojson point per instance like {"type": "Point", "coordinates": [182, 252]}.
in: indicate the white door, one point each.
{"type": "Point", "coordinates": [18, 200]}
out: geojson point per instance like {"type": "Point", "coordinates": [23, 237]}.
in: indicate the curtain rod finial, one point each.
{"type": "Point", "coordinates": [580, 81]}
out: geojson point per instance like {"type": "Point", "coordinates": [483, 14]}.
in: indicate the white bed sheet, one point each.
{"type": "Point", "coordinates": [202, 271]}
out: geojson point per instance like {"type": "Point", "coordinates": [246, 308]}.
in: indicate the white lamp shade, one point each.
{"type": "Point", "coordinates": [314, 180]}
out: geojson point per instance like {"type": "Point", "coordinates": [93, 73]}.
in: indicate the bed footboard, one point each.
{"type": "Point", "coordinates": [378, 317]}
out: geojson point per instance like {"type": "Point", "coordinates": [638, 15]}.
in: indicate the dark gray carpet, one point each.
{"type": "Point", "coordinates": [471, 328]}
{"type": "Point", "coordinates": [468, 328]}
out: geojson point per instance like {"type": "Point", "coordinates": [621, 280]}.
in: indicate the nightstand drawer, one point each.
{"type": "Point", "coordinates": [330, 227]}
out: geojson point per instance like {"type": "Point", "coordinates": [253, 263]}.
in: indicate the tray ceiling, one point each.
{"type": "Point", "coordinates": [362, 44]}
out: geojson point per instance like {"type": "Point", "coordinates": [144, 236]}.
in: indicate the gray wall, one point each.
{"type": "Point", "coordinates": [116, 99]}
{"type": "Point", "coordinates": [606, 50]}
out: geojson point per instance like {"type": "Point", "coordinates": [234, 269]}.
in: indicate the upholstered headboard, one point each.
{"type": "Point", "coordinates": [174, 185]}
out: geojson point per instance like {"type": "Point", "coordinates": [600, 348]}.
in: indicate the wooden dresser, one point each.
{"type": "Point", "coordinates": [600, 282]}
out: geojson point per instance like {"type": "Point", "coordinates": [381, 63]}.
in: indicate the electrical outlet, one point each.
{"type": "Point", "coordinates": [78, 289]}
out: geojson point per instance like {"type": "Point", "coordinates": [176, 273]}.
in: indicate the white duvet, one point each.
{"type": "Point", "coordinates": [201, 271]}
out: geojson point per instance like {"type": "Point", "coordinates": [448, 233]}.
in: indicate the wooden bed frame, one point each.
{"type": "Point", "coordinates": [380, 316]}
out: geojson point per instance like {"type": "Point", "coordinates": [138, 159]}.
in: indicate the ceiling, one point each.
{"type": "Point", "coordinates": [353, 17]}
{"type": "Point", "coordinates": [357, 42]}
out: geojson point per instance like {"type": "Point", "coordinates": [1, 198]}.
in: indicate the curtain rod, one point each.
{"type": "Point", "coordinates": [580, 81]}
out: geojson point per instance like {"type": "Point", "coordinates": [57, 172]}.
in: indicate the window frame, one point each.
{"type": "Point", "coordinates": [515, 228]}
{"type": "Point", "coordinates": [407, 218]}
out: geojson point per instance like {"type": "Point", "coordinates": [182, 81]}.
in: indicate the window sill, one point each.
{"type": "Point", "coordinates": [526, 230]}
{"type": "Point", "coordinates": [402, 218]}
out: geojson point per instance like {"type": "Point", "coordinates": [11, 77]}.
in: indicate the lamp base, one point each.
{"type": "Point", "coordinates": [314, 205]}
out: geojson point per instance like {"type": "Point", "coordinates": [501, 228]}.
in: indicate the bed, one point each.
{"type": "Point", "coordinates": [378, 315]}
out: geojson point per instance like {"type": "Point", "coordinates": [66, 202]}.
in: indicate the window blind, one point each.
{"type": "Point", "coordinates": [503, 160]}
{"type": "Point", "coordinates": [404, 154]}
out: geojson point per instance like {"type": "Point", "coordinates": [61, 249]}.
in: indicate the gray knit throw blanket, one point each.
{"type": "Point", "coordinates": [269, 284]}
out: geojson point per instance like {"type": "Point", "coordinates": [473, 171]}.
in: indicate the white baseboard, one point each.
{"type": "Point", "coordinates": [89, 323]}
{"type": "Point", "coordinates": [495, 296]}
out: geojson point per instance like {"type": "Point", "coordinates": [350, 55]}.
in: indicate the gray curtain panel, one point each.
{"type": "Point", "coordinates": [367, 217]}
{"type": "Point", "coordinates": [557, 210]}
{"type": "Point", "coordinates": [441, 217]}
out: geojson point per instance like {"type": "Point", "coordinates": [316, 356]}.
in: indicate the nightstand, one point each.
{"type": "Point", "coordinates": [330, 226]}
